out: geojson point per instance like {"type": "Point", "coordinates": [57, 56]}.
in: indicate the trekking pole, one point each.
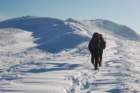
{"type": "Point", "coordinates": [104, 51]}
{"type": "Point", "coordinates": [87, 61]}
{"type": "Point", "coordinates": [88, 57]}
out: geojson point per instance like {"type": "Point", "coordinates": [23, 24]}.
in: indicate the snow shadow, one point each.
{"type": "Point", "coordinates": [9, 90]}
{"type": "Point", "coordinates": [54, 67]}
{"type": "Point", "coordinates": [115, 91]}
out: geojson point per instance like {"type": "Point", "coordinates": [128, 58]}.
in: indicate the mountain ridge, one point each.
{"type": "Point", "coordinates": [55, 35]}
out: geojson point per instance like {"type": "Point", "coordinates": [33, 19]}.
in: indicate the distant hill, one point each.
{"type": "Point", "coordinates": [54, 35]}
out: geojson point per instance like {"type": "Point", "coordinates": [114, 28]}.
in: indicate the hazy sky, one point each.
{"type": "Point", "coordinates": [125, 12]}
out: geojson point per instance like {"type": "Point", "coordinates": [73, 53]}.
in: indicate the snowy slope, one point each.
{"type": "Point", "coordinates": [105, 26]}
{"type": "Point", "coordinates": [47, 30]}
{"type": "Point", "coordinates": [26, 68]}
{"type": "Point", "coordinates": [68, 34]}
{"type": "Point", "coordinates": [16, 47]}
{"type": "Point", "coordinates": [15, 40]}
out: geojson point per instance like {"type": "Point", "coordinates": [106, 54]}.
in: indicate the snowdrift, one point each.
{"type": "Point", "coordinates": [24, 68]}
{"type": "Point", "coordinates": [55, 35]}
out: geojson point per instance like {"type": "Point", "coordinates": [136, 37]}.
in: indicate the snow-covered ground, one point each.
{"type": "Point", "coordinates": [26, 69]}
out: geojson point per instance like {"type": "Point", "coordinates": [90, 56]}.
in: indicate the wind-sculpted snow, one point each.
{"type": "Point", "coordinates": [14, 40]}
{"type": "Point", "coordinates": [53, 35]}
{"type": "Point", "coordinates": [105, 26]}
{"type": "Point", "coordinates": [66, 73]}
{"type": "Point", "coordinates": [26, 68]}
{"type": "Point", "coordinates": [16, 47]}
{"type": "Point", "coordinates": [120, 30]}
{"type": "Point", "coordinates": [118, 75]}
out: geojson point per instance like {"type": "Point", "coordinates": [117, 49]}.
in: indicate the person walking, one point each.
{"type": "Point", "coordinates": [96, 46]}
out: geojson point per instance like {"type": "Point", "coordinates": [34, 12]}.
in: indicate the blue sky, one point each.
{"type": "Point", "coordinates": [125, 12]}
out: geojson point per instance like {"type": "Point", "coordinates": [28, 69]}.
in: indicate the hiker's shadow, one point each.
{"type": "Point", "coordinates": [52, 67]}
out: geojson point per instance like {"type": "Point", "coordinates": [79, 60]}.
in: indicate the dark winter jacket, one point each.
{"type": "Point", "coordinates": [97, 44]}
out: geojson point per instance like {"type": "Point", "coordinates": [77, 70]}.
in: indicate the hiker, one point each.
{"type": "Point", "coordinates": [96, 47]}
{"type": "Point", "coordinates": [102, 47]}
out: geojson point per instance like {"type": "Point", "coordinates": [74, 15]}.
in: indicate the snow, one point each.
{"type": "Point", "coordinates": [26, 68]}
{"type": "Point", "coordinates": [16, 39]}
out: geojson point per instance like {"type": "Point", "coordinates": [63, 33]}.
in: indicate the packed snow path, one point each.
{"type": "Point", "coordinates": [119, 73]}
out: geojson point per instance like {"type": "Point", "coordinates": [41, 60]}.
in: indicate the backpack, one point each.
{"type": "Point", "coordinates": [102, 43]}
{"type": "Point", "coordinates": [96, 43]}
